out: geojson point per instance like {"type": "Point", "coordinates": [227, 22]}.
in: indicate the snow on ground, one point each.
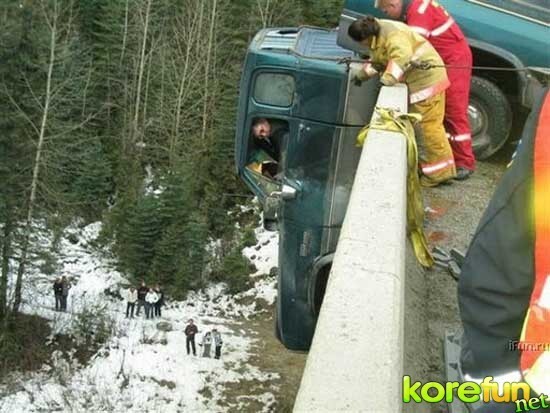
{"type": "Point", "coordinates": [140, 368]}
{"type": "Point", "coordinates": [264, 255]}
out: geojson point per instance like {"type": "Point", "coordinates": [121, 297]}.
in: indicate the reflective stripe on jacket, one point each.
{"type": "Point", "coordinates": [431, 20]}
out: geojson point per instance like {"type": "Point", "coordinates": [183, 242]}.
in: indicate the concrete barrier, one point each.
{"type": "Point", "coordinates": [355, 363]}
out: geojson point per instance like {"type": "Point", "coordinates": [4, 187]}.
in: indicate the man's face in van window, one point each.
{"type": "Point", "coordinates": [393, 8]}
{"type": "Point", "coordinates": [262, 129]}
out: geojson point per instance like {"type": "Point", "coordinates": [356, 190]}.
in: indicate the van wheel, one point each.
{"type": "Point", "coordinates": [490, 117]}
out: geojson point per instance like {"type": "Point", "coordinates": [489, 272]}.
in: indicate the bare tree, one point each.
{"type": "Point", "coordinates": [265, 9]}
{"type": "Point", "coordinates": [207, 68]}
{"type": "Point", "coordinates": [140, 73]}
{"type": "Point", "coordinates": [47, 118]}
{"type": "Point", "coordinates": [6, 250]}
{"type": "Point", "coordinates": [52, 24]}
{"type": "Point", "coordinates": [188, 38]}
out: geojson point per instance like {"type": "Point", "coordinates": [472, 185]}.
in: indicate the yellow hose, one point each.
{"type": "Point", "coordinates": [390, 120]}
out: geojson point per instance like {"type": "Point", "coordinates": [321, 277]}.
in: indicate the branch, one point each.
{"type": "Point", "coordinates": [21, 111]}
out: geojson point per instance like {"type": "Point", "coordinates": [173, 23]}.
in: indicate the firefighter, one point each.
{"type": "Point", "coordinates": [431, 20]}
{"type": "Point", "coordinates": [395, 48]}
{"type": "Point", "coordinates": [504, 288]}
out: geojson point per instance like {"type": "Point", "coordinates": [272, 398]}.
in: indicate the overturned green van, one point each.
{"type": "Point", "coordinates": [297, 80]}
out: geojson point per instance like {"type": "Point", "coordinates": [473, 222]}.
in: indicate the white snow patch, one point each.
{"type": "Point", "coordinates": [139, 368]}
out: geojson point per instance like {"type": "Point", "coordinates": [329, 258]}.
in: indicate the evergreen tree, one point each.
{"type": "Point", "coordinates": [134, 86]}
{"type": "Point", "coordinates": [91, 186]}
{"type": "Point", "coordinates": [192, 271]}
{"type": "Point", "coordinates": [169, 257]}
{"type": "Point", "coordinates": [324, 13]}
{"type": "Point", "coordinates": [136, 244]}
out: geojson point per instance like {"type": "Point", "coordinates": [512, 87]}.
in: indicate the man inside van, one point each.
{"type": "Point", "coordinates": [269, 136]}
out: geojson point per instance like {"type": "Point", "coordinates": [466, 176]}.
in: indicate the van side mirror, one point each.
{"type": "Point", "coordinates": [286, 192]}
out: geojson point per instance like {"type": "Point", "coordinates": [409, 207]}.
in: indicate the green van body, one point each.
{"type": "Point", "coordinates": [295, 76]}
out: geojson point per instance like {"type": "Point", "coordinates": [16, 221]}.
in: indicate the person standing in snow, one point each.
{"type": "Point", "coordinates": [65, 287]}
{"type": "Point", "coordinates": [190, 332]}
{"type": "Point", "coordinates": [206, 343]}
{"type": "Point", "coordinates": [141, 293]}
{"type": "Point", "coordinates": [58, 292]}
{"type": "Point", "coordinates": [150, 299]}
{"type": "Point", "coordinates": [160, 301]}
{"type": "Point", "coordinates": [217, 338]}
{"type": "Point", "coordinates": [131, 298]}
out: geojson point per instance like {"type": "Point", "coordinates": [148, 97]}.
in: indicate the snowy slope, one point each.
{"type": "Point", "coordinates": [139, 368]}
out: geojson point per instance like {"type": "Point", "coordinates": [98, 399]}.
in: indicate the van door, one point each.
{"type": "Point", "coordinates": [271, 97]}
{"type": "Point", "coordinates": [308, 167]}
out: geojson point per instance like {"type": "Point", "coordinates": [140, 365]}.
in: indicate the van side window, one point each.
{"type": "Point", "coordinates": [265, 150]}
{"type": "Point", "coordinates": [274, 89]}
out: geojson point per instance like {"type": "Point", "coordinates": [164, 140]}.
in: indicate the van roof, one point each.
{"type": "Point", "coordinates": [305, 41]}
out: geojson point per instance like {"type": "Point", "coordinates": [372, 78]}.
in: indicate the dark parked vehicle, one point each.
{"type": "Point", "coordinates": [505, 34]}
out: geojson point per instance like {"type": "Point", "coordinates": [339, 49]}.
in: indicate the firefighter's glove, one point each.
{"type": "Point", "coordinates": [361, 72]}
{"type": "Point", "coordinates": [388, 80]}
{"type": "Point", "coordinates": [379, 67]}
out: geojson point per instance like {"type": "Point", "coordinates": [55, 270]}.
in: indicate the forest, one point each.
{"type": "Point", "coordinates": [123, 112]}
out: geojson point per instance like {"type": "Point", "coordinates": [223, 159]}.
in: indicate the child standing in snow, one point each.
{"type": "Point", "coordinates": [150, 300]}
{"type": "Point", "coordinates": [131, 298]}
{"type": "Point", "coordinates": [206, 343]}
{"type": "Point", "coordinates": [217, 338]}
{"type": "Point", "coordinates": [141, 292]}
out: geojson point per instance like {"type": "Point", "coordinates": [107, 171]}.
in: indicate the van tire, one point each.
{"type": "Point", "coordinates": [490, 117]}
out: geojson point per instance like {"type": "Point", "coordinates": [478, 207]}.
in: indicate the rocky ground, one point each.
{"type": "Point", "coordinates": [453, 213]}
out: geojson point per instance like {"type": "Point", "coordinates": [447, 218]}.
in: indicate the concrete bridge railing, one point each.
{"type": "Point", "coordinates": [356, 359]}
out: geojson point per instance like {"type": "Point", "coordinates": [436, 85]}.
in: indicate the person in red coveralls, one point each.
{"type": "Point", "coordinates": [431, 20]}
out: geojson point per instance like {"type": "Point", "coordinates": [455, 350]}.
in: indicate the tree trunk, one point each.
{"type": "Point", "coordinates": [124, 35]}
{"type": "Point", "coordinates": [141, 71]}
{"type": "Point", "coordinates": [6, 247]}
{"type": "Point", "coordinates": [207, 70]}
{"type": "Point", "coordinates": [265, 12]}
{"type": "Point", "coordinates": [192, 41]}
{"type": "Point", "coordinates": [36, 167]}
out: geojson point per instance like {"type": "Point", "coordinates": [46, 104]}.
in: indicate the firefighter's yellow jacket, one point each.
{"type": "Point", "coordinates": [395, 47]}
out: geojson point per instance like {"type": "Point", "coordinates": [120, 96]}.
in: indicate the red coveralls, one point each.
{"type": "Point", "coordinates": [432, 21]}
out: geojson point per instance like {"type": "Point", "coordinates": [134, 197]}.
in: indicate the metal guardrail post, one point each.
{"type": "Point", "coordinates": [356, 359]}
